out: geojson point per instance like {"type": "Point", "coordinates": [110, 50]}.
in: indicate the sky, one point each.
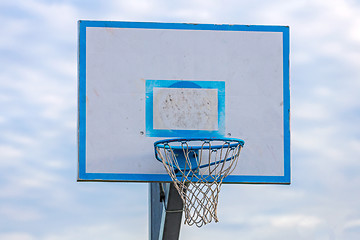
{"type": "Point", "coordinates": [39, 195]}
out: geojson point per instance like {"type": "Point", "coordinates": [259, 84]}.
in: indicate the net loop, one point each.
{"type": "Point", "coordinates": [197, 167]}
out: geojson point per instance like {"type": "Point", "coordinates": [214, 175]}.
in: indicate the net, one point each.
{"type": "Point", "coordinates": [197, 167]}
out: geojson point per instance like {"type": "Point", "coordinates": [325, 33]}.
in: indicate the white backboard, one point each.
{"type": "Point", "coordinates": [142, 82]}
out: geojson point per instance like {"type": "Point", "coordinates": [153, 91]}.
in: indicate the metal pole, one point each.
{"type": "Point", "coordinates": [165, 211]}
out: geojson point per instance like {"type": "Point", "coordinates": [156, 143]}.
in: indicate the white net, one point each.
{"type": "Point", "coordinates": [197, 168]}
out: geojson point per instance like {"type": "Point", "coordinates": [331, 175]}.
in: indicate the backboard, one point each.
{"type": "Point", "coordinates": [142, 82]}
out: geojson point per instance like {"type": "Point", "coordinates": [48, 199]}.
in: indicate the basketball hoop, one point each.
{"type": "Point", "coordinates": [197, 166]}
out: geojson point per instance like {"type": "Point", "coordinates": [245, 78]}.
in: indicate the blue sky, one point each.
{"type": "Point", "coordinates": [39, 195]}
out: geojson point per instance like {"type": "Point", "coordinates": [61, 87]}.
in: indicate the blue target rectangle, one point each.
{"type": "Point", "coordinates": [179, 108]}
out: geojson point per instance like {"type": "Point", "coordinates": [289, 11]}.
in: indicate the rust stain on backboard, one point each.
{"type": "Point", "coordinates": [110, 30]}
{"type": "Point", "coordinates": [96, 93]}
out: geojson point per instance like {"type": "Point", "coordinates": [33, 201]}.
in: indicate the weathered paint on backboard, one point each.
{"type": "Point", "coordinates": [142, 82]}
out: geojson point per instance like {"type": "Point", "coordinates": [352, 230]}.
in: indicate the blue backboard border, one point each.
{"type": "Point", "coordinates": [84, 176]}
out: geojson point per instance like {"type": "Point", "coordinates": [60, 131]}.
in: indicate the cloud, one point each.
{"type": "Point", "coordinates": [98, 231]}
{"type": "Point", "coordinates": [9, 152]}
{"type": "Point", "coordinates": [19, 213]}
{"type": "Point", "coordinates": [16, 236]}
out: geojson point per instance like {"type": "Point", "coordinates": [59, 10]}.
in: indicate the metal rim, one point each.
{"type": "Point", "coordinates": [233, 142]}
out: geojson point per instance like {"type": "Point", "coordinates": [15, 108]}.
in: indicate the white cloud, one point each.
{"type": "Point", "coordinates": [14, 30]}
{"type": "Point", "coordinates": [16, 236]}
{"type": "Point", "coordinates": [21, 183]}
{"type": "Point", "coordinates": [297, 221]}
{"type": "Point", "coordinates": [109, 231]}
{"type": "Point", "coordinates": [352, 224]}
{"type": "Point", "coordinates": [18, 138]}
{"type": "Point", "coordinates": [312, 111]}
{"type": "Point", "coordinates": [317, 28]}
{"type": "Point", "coordinates": [55, 16]}
{"type": "Point", "coordinates": [8, 152]}
{"type": "Point", "coordinates": [2, 120]}
{"type": "Point", "coordinates": [19, 213]}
